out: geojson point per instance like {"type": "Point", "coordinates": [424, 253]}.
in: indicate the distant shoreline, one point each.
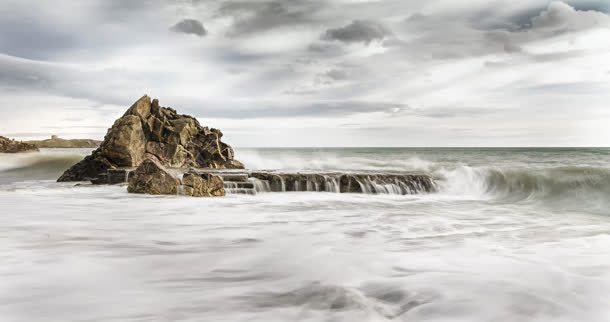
{"type": "Point", "coordinates": [56, 142]}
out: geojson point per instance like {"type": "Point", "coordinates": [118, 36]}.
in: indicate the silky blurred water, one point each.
{"type": "Point", "coordinates": [511, 235]}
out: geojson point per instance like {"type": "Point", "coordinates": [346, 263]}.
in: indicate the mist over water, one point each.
{"type": "Point", "coordinates": [510, 235]}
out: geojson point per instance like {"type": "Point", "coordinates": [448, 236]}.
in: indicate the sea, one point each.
{"type": "Point", "coordinates": [509, 234]}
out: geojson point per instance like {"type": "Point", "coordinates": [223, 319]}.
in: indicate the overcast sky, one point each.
{"type": "Point", "coordinates": [314, 72]}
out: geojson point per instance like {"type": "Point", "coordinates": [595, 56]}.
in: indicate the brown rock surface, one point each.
{"type": "Point", "coordinates": [151, 178]}
{"type": "Point", "coordinates": [149, 131]}
{"type": "Point", "coordinates": [11, 146]}
{"type": "Point", "coordinates": [202, 185]}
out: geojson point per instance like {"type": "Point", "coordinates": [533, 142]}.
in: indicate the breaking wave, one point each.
{"type": "Point", "coordinates": [569, 185]}
{"type": "Point", "coordinates": [45, 165]}
{"type": "Point", "coordinates": [511, 180]}
{"type": "Point", "coordinates": [506, 181]}
{"type": "Point", "coordinates": [330, 160]}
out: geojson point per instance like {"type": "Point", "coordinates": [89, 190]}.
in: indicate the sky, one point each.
{"type": "Point", "coordinates": [314, 72]}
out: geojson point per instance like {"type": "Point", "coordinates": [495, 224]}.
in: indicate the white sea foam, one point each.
{"type": "Point", "coordinates": [328, 160]}
{"type": "Point", "coordinates": [496, 243]}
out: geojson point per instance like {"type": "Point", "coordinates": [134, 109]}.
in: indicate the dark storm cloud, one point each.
{"type": "Point", "coordinates": [190, 26]}
{"type": "Point", "coordinates": [363, 31]}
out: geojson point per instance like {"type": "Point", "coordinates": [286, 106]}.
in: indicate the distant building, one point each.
{"type": "Point", "coordinates": [54, 137]}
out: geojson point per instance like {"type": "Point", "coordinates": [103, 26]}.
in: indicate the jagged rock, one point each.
{"type": "Point", "coordinates": [151, 178]}
{"type": "Point", "coordinates": [11, 146]}
{"type": "Point", "coordinates": [149, 131]}
{"type": "Point", "coordinates": [202, 185]}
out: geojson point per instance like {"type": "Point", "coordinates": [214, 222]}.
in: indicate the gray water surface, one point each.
{"type": "Point", "coordinates": [511, 235]}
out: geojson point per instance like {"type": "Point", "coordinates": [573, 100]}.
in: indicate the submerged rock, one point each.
{"type": "Point", "coordinates": [151, 178]}
{"type": "Point", "coordinates": [11, 146]}
{"type": "Point", "coordinates": [202, 185]}
{"type": "Point", "coordinates": [149, 131]}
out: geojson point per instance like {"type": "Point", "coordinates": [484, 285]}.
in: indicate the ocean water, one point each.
{"type": "Point", "coordinates": [510, 235]}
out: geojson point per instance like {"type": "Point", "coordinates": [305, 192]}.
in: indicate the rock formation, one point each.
{"type": "Point", "coordinates": [152, 178]}
{"type": "Point", "coordinates": [202, 185]}
{"type": "Point", "coordinates": [149, 131]}
{"type": "Point", "coordinates": [11, 146]}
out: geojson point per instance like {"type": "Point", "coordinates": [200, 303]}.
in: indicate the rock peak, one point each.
{"type": "Point", "coordinates": [149, 131]}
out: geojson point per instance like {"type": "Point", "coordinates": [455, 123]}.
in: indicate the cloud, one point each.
{"type": "Point", "coordinates": [273, 110]}
{"type": "Point", "coordinates": [250, 17]}
{"type": "Point", "coordinates": [560, 16]}
{"type": "Point", "coordinates": [336, 74]}
{"type": "Point", "coordinates": [190, 26]}
{"type": "Point", "coordinates": [357, 31]}
{"type": "Point", "coordinates": [268, 62]}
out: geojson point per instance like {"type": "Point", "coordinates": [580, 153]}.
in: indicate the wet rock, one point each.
{"type": "Point", "coordinates": [149, 131]}
{"type": "Point", "coordinates": [384, 183]}
{"type": "Point", "coordinates": [113, 176]}
{"type": "Point", "coordinates": [202, 185]}
{"type": "Point", "coordinates": [151, 178]}
{"type": "Point", "coordinates": [11, 146]}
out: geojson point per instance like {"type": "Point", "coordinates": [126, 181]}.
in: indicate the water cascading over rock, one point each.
{"type": "Point", "coordinates": [149, 131]}
{"type": "Point", "coordinates": [368, 183]}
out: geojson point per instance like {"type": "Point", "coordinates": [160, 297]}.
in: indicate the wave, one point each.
{"type": "Point", "coordinates": [38, 166]}
{"type": "Point", "coordinates": [567, 185]}
{"type": "Point", "coordinates": [511, 181]}
{"type": "Point", "coordinates": [508, 181]}
{"type": "Point", "coordinates": [330, 161]}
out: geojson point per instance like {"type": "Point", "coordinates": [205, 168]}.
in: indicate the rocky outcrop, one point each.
{"type": "Point", "coordinates": [57, 142]}
{"type": "Point", "coordinates": [202, 185]}
{"type": "Point", "coordinates": [151, 178]}
{"type": "Point", "coordinates": [149, 131]}
{"type": "Point", "coordinates": [11, 146]}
